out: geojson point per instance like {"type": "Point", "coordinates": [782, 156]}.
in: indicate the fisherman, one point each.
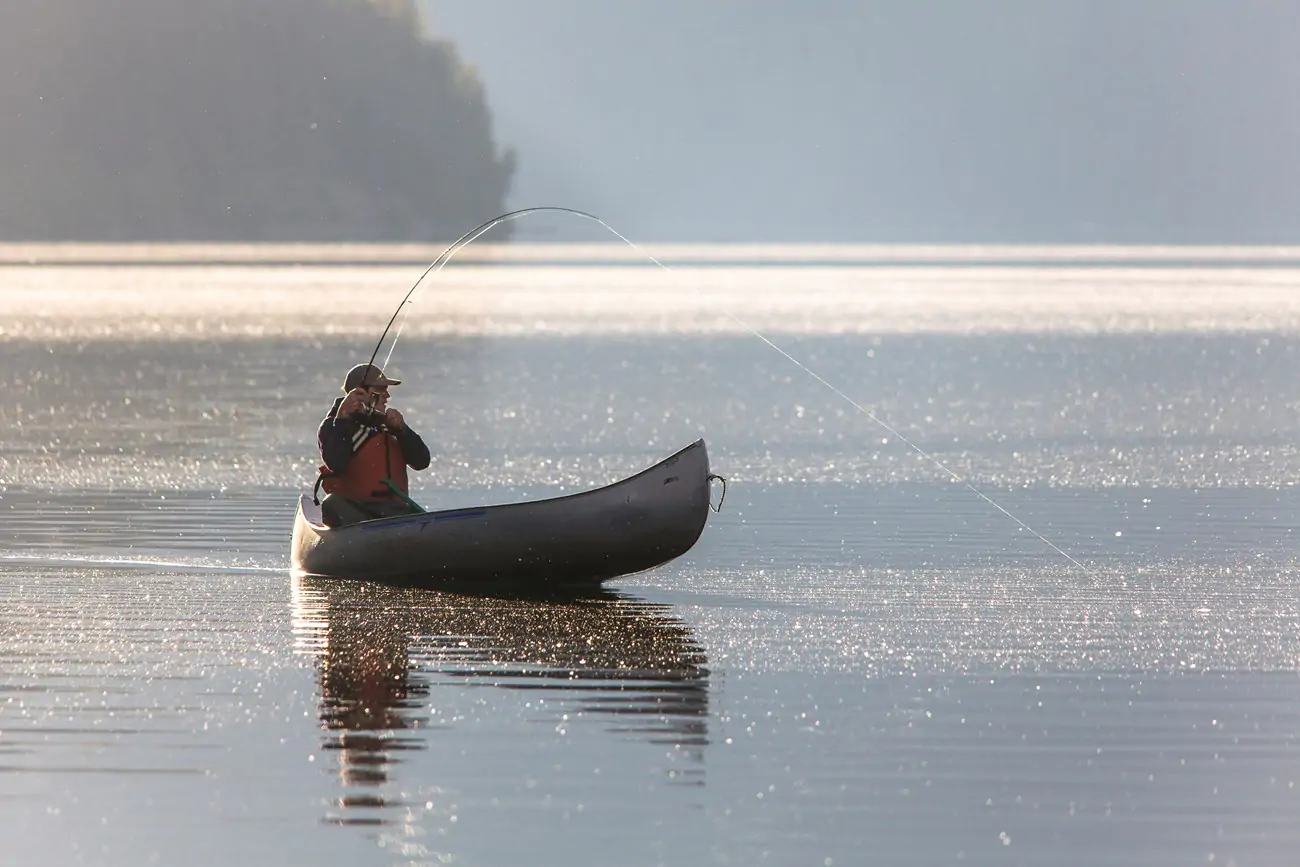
{"type": "Point", "coordinates": [366, 447]}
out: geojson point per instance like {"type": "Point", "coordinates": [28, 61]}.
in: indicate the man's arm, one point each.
{"type": "Point", "coordinates": [413, 448]}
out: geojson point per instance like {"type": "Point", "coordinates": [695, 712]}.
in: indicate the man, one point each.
{"type": "Point", "coordinates": [366, 447]}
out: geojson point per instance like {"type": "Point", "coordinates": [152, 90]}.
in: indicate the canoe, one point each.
{"type": "Point", "coordinates": [581, 539]}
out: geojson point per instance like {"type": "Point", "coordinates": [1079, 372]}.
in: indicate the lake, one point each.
{"type": "Point", "coordinates": [1018, 587]}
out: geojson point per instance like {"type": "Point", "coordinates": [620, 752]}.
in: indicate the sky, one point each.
{"type": "Point", "coordinates": [1039, 121]}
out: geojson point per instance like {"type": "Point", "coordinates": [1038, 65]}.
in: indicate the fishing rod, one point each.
{"type": "Point", "coordinates": [471, 235]}
{"type": "Point", "coordinates": [446, 256]}
{"type": "Point", "coordinates": [437, 265]}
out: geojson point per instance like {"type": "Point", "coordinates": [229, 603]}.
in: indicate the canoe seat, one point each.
{"type": "Point", "coordinates": [339, 511]}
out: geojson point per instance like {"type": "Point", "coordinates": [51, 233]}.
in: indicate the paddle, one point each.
{"type": "Point", "coordinates": [401, 495]}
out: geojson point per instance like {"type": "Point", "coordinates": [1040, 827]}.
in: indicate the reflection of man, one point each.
{"type": "Point", "coordinates": [368, 693]}
{"type": "Point", "coordinates": [366, 447]}
{"type": "Point", "coordinates": [379, 650]}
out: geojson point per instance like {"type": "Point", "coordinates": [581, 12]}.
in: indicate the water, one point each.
{"type": "Point", "coordinates": [860, 662]}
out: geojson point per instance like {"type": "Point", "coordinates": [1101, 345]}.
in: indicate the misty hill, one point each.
{"type": "Point", "coordinates": [912, 120]}
{"type": "Point", "coordinates": [239, 120]}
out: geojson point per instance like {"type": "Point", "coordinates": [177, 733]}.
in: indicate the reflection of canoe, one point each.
{"type": "Point", "coordinates": [586, 538]}
{"type": "Point", "coordinates": [380, 653]}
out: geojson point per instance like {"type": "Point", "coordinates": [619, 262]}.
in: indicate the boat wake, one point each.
{"type": "Point", "coordinates": [109, 562]}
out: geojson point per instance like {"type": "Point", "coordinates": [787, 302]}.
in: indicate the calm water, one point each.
{"type": "Point", "coordinates": [861, 662]}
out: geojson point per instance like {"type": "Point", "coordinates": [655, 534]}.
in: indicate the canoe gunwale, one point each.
{"type": "Point", "coordinates": [453, 514]}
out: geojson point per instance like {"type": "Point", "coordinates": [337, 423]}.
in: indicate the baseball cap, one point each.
{"type": "Point", "coordinates": [367, 376]}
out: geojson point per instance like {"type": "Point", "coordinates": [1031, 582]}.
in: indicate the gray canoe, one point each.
{"type": "Point", "coordinates": [632, 525]}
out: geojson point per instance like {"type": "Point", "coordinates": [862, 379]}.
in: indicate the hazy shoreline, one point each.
{"type": "Point", "coordinates": [78, 301]}
{"type": "Point", "coordinates": [616, 253]}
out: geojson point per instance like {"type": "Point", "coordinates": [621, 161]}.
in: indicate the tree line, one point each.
{"type": "Point", "coordinates": [239, 120]}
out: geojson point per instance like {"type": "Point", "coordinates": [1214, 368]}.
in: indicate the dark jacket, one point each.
{"type": "Point", "coordinates": [339, 438]}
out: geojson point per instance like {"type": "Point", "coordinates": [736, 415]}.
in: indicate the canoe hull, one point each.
{"type": "Point", "coordinates": [632, 525]}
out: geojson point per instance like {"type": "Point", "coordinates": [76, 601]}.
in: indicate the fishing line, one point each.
{"type": "Point", "coordinates": [862, 409]}
{"type": "Point", "coordinates": [470, 236]}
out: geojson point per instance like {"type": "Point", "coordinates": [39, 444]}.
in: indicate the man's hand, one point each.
{"type": "Point", "coordinates": [355, 402]}
{"type": "Point", "coordinates": [393, 419]}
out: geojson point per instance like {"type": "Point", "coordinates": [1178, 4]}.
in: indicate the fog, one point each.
{"type": "Point", "coordinates": [1033, 121]}
{"type": "Point", "coordinates": [1007, 121]}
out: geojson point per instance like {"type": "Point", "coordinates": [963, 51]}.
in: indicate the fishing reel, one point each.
{"type": "Point", "coordinates": [371, 417]}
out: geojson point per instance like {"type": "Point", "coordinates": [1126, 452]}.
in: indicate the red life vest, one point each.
{"type": "Point", "coordinates": [378, 458]}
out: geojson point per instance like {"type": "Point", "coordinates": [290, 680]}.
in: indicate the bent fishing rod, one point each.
{"type": "Point", "coordinates": [463, 241]}
{"type": "Point", "coordinates": [469, 237]}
